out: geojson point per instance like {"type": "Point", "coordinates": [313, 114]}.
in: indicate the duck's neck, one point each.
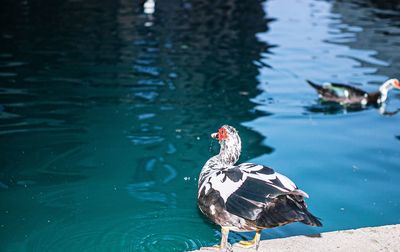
{"type": "Point", "coordinates": [384, 89]}
{"type": "Point", "coordinates": [229, 153]}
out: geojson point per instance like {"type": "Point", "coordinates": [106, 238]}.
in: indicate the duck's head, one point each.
{"type": "Point", "coordinates": [229, 140]}
{"type": "Point", "coordinates": [385, 87]}
{"type": "Point", "coordinates": [395, 83]}
{"type": "Point", "coordinates": [227, 134]}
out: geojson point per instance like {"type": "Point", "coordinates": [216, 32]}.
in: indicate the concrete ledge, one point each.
{"type": "Point", "coordinates": [384, 238]}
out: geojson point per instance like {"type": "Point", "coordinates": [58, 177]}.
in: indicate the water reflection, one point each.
{"type": "Point", "coordinates": [106, 110]}
{"type": "Point", "coordinates": [344, 42]}
{"type": "Point", "coordinates": [379, 22]}
{"type": "Point", "coordinates": [332, 108]}
{"type": "Point", "coordinates": [188, 83]}
{"type": "Point", "coordinates": [366, 27]}
{"type": "Point", "coordinates": [149, 7]}
{"type": "Point", "coordinates": [109, 107]}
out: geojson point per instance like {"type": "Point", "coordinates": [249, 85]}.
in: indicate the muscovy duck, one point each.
{"type": "Point", "coordinates": [247, 196]}
{"type": "Point", "coordinates": [348, 95]}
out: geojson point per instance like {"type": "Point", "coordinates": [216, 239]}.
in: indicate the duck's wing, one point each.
{"type": "Point", "coordinates": [344, 90]}
{"type": "Point", "coordinates": [333, 91]}
{"type": "Point", "coordinates": [258, 193]}
{"type": "Point", "coordinates": [255, 187]}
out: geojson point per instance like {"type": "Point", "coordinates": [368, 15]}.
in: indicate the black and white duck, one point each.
{"type": "Point", "coordinates": [247, 197]}
{"type": "Point", "coordinates": [348, 95]}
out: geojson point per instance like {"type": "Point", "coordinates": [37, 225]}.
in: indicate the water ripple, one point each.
{"type": "Point", "coordinates": [146, 191]}
{"type": "Point", "coordinates": [147, 95]}
{"type": "Point", "coordinates": [148, 70]}
{"type": "Point", "coordinates": [116, 233]}
{"type": "Point", "coordinates": [146, 139]}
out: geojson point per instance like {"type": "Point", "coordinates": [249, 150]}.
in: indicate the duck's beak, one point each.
{"type": "Point", "coordinates": [214, 135]}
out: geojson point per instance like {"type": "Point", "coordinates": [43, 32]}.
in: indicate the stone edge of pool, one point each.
{"type": "Point", "coordinates": [383, 238]}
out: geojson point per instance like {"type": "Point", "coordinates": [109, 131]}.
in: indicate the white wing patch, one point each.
{"type": "Point", "coordinates": [268, 178]}
{"type": "Point", "coordinates": [249, 167]}
{"type": "Point", "coordinates": [286, 182]}
{"type": "Point", "coordinates": [264, 177]}
{"type": "Point", "coordinates": [227, 187]}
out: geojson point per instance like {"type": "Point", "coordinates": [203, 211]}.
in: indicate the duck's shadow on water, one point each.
{"type": "Point", "coordinates": [330, 108]}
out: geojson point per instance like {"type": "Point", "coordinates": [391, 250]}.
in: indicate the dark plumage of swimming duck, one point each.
{"type": "Point", "coordinates": [247, 197]}
{"type": "Point", "coordinates": [348, 95]}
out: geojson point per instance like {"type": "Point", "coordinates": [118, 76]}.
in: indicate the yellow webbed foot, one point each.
{"type": "Point", "coordinates": [247, 244]}
{"type": "Point", "coordinates": [254, 242]}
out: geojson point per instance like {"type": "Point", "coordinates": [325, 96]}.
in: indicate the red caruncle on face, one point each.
{"type": "Point", "coordinates": [222, 134]}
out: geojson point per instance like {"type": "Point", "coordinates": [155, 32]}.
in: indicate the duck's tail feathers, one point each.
{"type": "Point", "coordinates": [314, 85]}
{"type": "Point", "coordinates": [310, 219]}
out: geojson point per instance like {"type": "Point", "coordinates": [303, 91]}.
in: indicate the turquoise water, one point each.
{"type": "Point", "coordinates": [106, 109]}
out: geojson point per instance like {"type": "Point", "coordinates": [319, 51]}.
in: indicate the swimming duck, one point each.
{"type": "Point", "coordinates": [247, 196]}
{"type": "Point", "coordinates": [348, 95]}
